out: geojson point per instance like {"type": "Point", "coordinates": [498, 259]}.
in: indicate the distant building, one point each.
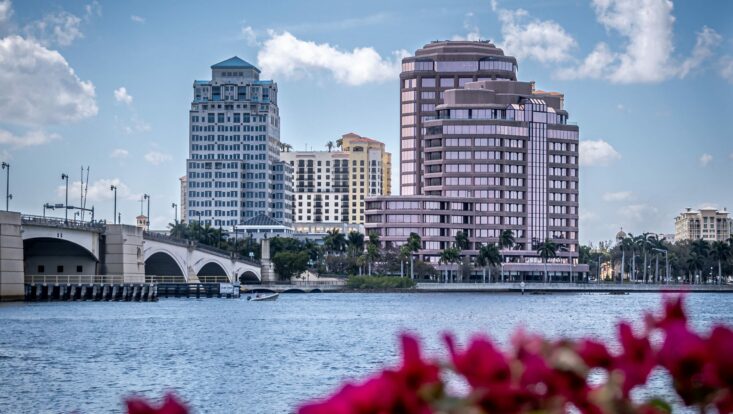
{"type": "Point", "coordinates": [184, 199]}
{"type": "Point", "coordinates": [142, 222]}
{"type": "Point", "coordinates": [707, 224]}
{"type": "Point", "coordinates": [233, 171]}
{"type": "Point", "coordinates": [330, 186]}
{"type": "Point", "coordinates": [261, 227]}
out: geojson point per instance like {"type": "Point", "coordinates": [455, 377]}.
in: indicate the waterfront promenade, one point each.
{"type": "Point", "coordinates": [571, 287]}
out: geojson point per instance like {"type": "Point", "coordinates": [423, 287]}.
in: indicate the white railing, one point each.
{"type": "Point", "coordinates": [74, 279]}
{"type": "Point", "coordinates": [316, 283]}
{"type": "Point", "coordinates": [181, 279]}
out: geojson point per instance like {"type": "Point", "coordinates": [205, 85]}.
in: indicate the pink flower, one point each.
{"type": "Point", "coordinates": [636, 360]}
{"type": "Point", "coordinates": [481, 362]}
{"type": "Point", "coordinates": [594, 354]}
{"type": "Point", "coordinates": [720, 350]}
{"type": "Point", "coordinates": [392, 391]}
{"type": "Point", "coordinates": [171, 405]}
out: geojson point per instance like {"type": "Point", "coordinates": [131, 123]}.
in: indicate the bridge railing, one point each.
{"type": "Point", "coordinates": [60, 222]}
{"type": "Point", "coordinates": [74, 279]}
{"type": "Point", "coordinates": [181, 279]}
{"type": "Point", "coordinates": [318, 283]}
{"type": "Point", "coordinates": [211, 249]}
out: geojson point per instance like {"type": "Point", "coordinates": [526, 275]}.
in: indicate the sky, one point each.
{"type": "Point", "coordinates": [108, 85]}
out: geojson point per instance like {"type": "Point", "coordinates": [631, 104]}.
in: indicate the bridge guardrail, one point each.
{"type": "Point", "coordinates": [31, 220]}
{"type": "Point", "coordinates": [186, 243]}
{"type": "Point", "coordinates": [74, 279]}
{"type": "Point", "coordinates": [181, 279]}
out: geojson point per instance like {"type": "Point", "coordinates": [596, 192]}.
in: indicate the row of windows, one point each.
{"type": "Point", "coordinates": [459, 66]}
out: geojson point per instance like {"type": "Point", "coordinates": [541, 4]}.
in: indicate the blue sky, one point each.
{"type": "Point", "coordinates": [652, 92]}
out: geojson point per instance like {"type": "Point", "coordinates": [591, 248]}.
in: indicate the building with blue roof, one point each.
{"type": "Point", "coordinates": [234, 172]}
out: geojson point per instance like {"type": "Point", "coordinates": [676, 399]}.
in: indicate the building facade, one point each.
{"type": "Point", "coordinates": [480, 153]}
{"type": "Point", "coordinates": [330, 187]}
{"type": "Point", "coordinates": [183, 205]}
{"type": "Point", "coordinates": [234, 172]}
{"type": "Point", "coordinates": [707, 224]}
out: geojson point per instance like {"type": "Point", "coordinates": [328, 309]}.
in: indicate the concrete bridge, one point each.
{"type": "Point", "coordinates": [35, 247]}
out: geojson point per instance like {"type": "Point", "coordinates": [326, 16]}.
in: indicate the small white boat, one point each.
{"type": "Point", "coordinates": [262, 297]}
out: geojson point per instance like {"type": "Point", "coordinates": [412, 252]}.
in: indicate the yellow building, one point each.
{"type": "Point", "coordinates": [331, 186]}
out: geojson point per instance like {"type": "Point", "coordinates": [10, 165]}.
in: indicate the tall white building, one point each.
{"type": "Point", "coordinates": [234, 172]}
{"type": "Point", "coordinates": [707, 223]}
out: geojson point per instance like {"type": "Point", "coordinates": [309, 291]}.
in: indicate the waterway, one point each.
{"type": "Point", "coordinates": [234, 356]}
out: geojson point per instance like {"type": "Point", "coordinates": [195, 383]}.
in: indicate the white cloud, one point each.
{"type": "Point", "coordinates": [119, 153]}
{"type": "Point", "coordinates": [525, 37]}
{"type": "Point", "coordinates": [6, 10]}
{"type": "Point", "coordinates": [97, 191]}
{"type": "Point", "coordinates": [60, 29]}
{"type": "Point", "coordinates": [121, 95]}
{"type": "Point", "coordinates": [28, 139]}
{"type": "Point", "coordinates": [156, 157]}
{"type": "Point", "coordinates": [638, 212]}
{"type": "Point", "coordinates": [92, 9]}
{"type": "Point", "coordinates": [136, 125]}
{"type": "Point", "coordinates": [646, 56]}
{"type": "Point", "coordinates": [39, 87]}
{"type": "Point", "coordinates": [597, 153]}
{"type": "Point", "coordinates": [285, 55]}
{"type": "Point", "coordinates": [473, 33]}
{"type": "Point", "coordinates": [726, 68]}
{"type": "Point", "coordinates": [595, 65]}
{"type": "Point", "coordinates": [249, 35]}
{"type": "Point", "coordinates": [617, 196]}
{"type": "Point", "coordinates": [707, 40]}
{"type": "Point", "coordinates": [587, 216]}
{"type": "Point", "coordinates": [705, 159]}
{"type": "Point", "coordinates": [137, 19]}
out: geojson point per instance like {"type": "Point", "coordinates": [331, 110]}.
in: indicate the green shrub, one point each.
{"type": "Point", "coordinates": [379, 282]}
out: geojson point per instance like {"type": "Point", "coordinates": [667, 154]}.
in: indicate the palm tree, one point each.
{"type": "Point", "coordinates": [694, 264]}
{"type": "Point", "coordinates": [627, 243]}
{"type": "Point", "coordinates": [372, 250]}
{"type": "Point", "coordinates": [700, 248]}
{"type": "Point", "coordinates": [356, 243]}
{"type": "Point", "coordinates": [645, 246]}
{"type": "Point", "coordinates": [656, 245]}
{"type": "Point", "coordinates": [329, 145]}
{"type": "Point", "coordinates": [334, 241]}
{"type": "Point", "coordinates": [506, 241]}
{"type": "Point", "coordinates": [488, 256]}
{"type": "Point", "coordinates": [721, 251]}
{"type": "Point", "coordinates": [414, 243]}
{"type": "Point", "coordinates": [447, 257]}
{"type": "Point", "coordinates": [178, 230]}
{"type": "Point", "coordinates": [547, 250]}
{"type": "Point", "coordinates": [340, 142]}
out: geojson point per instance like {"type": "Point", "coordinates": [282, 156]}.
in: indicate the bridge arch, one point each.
{"type": "Point", "coordinates": [249, 278]}
{"type": "Point", "coordinates": [213, 271]}
{"type": "Point", "coordinates": [57, 256]}
{"type": "Point", "coordinates": [163, 263]}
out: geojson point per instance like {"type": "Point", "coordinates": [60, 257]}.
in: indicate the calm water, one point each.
{"type": "Point", "coordinates": [234, 356]}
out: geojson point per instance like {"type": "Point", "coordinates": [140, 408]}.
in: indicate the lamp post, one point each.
{"type": "Point", "coordinates": [666, 261]}
{"type": "Point", "coordinates": [147, 220]}
{"type": "Point", "coordinates": [7, 186]}
{"type": "Point", "coordinates": [114, 215]}
{"type": "Point", "coordinates": [175, 212]}
{"type": "Point", "coordinates": [65, 177]}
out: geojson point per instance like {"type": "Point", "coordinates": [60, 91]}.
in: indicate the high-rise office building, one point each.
{"type": "Point", "coordinates": [234, 172]}
{"type": "Point", "coordinates": [330, 186]}
{"type": "Point", "coordinates": [480, 153]}
{"type": "Point", "coordinates": [708, 224]}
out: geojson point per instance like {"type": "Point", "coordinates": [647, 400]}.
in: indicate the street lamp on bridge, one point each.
{"type": "Point", "coordinates": [114, 215]}
{"type": "Point", "coordinates": [147, 197]}
{"type": "Point", "coordinates": [175, 212]}
{"type": "Point", "coordinates": [65, 177]}
{"type": "Point", "coordinates": [8, 196]}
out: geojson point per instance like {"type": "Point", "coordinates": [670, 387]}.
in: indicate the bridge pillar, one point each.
{"type": "Point", "coordinates": [123, 254]}
{"type": "Point", "coordinates": [11, 257]}
{"type": "Point", "coordinates": [267, 269]}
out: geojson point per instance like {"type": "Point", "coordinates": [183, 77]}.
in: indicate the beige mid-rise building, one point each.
{"type": "Point", "coordinates": [331, 186]}
{"type": "Point", "coordinates": [707, 223]}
